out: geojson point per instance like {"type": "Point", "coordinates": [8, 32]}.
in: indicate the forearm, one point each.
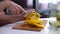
{"type": "Point", "coordinates": [9, 19]}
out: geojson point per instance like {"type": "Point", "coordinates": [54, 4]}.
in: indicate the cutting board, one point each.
{"type": "Point", "coordinates": [27, 27]}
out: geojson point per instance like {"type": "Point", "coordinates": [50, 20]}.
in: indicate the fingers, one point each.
{"type": "Point", "coordinates": [20, 9]}
{"type": "Point", "coordinates": [31, 10]}
{"type": "Point", "coordinates": [12, 7]}
{"type": "Point", "coordinates": [3, 5]}
{"type": "Point", "coordinates": [1, 13]}
{"type": "Point", "coordinates": [15, 8]}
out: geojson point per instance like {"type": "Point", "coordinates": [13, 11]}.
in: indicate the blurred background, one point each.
{"type": "Point", "coordinates": [45, 7]}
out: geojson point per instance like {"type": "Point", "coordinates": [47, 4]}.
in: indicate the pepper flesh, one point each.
{"type": "Point", "coordinates": [34, 19]}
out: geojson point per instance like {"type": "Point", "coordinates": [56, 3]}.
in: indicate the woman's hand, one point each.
{"type": "Point", "coordinates": [16, 10]}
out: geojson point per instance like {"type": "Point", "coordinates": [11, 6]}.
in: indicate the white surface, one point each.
{"type": "Point", "coordinates": [7, 29]}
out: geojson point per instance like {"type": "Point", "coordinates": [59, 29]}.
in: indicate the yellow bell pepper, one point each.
{"type": "Point", "coordinates": [34, 19]}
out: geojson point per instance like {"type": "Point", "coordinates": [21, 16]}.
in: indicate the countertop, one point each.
{"type": "Point", "coordinates": [7, 29]}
